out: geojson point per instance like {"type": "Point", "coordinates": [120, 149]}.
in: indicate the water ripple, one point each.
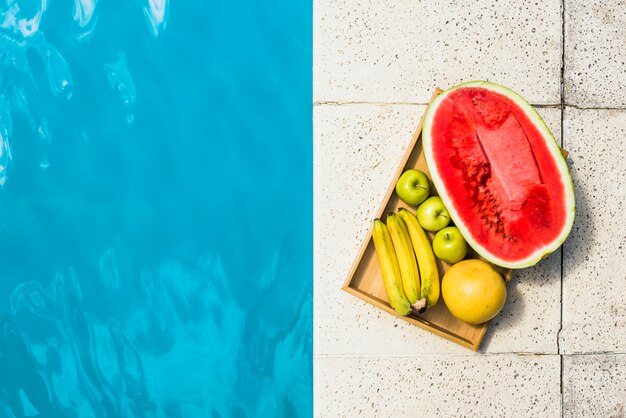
{"type": "Point", "coordinates": [16, 21]}
{"type": "Point", "coordinates": [57, 70]}
{"type": "Point", "coordinates": [66, 356]}
{"type": "Point", "coordinates": [6, 127]}
{"type": "Point", "coordinates": [157, 14]}
{"type": "Point", "coordinates": [84, 18]}
{"type": "Point", "coordinates": [20, 41]}
{"type": "Point", "coordinates": [121, 84]}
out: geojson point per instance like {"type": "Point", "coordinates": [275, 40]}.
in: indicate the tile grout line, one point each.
{"type": "Point", "coordinates": [560, 105]}
{"type": "Point", "coordinates": [578, 107]}
{"type": "Point", "coordinates": [461, 356]}
{"type": "Point", "coordinates": [400, 103]}
{"type": "Point", "coordinates": [558, 335]}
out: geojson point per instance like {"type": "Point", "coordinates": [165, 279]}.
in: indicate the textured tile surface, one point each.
{"type": "Point", "coordinates": [594, 286]}
{"type": "Point", "coordinates": [357, 151]}
{"type": "Point", "coordinates": [399, 51]}
{"type": "Point", "coordinates": [595, 53]}
{"type": "Point", "coordinates": [428, 386]}
{"type": "Point", "coordinates": [594, 386]}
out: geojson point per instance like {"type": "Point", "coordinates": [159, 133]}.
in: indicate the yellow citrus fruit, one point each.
{"type": "Point", "coordinates": [473, 291]}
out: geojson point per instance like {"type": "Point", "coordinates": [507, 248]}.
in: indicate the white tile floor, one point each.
{"type": "Point", "coordinates": [438, 386]}
{"type": "Point", "coordinates": [397, 51]}
{"type": "Point", "coordinates": [559, 346]}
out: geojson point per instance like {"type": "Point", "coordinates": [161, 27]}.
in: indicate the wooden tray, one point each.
{"type": "Point", "coordinates": [365, 281]}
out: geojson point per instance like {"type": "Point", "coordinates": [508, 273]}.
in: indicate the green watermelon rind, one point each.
{"type": "Point", "coordinates": [554, 149]}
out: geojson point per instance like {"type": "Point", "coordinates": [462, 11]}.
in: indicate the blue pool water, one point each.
{"type": "Point", "coordinates": [155, 208]}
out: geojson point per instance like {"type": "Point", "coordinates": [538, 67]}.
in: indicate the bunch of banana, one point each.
{"type": "Point", "coordinates": [397, 245]}
{"type": "Point", "coordinates": [425, 257]}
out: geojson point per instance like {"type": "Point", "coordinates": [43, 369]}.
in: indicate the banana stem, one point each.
{"type": "Point", "coordinates": [419, 307]}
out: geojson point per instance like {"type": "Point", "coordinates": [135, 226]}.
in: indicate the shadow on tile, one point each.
{"type": "Point", "coordinates": [578, 245]}
{"type": "Point", "coordinates": [510, 315]}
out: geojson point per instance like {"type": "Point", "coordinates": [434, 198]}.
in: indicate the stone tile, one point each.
{"type": "Point", "coordinates": [429, 386]}
{"type": "Point", "coordinates": [595, 53]}
{"type": "Point", "coordinates": [357, 150]}
{"type": "Point", "coordinates": [594, 265]}
{"type": "Point", "coordinates": [594, 386]}
{"type": "Point", "coordinates": [399, 51]}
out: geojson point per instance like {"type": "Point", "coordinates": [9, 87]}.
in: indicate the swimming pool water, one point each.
{"type": "Point", "coordinates": [155, 208]}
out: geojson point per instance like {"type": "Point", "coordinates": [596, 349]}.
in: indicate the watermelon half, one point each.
{"type": "Point", "coordinates": [500, 173]}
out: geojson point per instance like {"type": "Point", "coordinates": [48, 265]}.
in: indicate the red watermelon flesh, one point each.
{"type": "Point", "coordinates": [498, 173]}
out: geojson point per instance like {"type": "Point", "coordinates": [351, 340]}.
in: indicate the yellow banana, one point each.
{"type": "Point", "coordinates": [389, 268]}
{"type": "Point", "coordinates": [406, 261]}
{"type": "Point", "coordinates": [425, 257]}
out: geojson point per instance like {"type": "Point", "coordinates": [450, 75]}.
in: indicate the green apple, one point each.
{"type": "Point", "coordinates": [413, 187]}
{"type": "Point", "coordinates": [432, 214]}
{"type": "Point", "coordinates": [449, 245]}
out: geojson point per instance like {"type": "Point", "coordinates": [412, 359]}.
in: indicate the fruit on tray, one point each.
{"type": "Point", "coordinates": [473, 291]}
{"type": "Point", "coordinates": [406, 260]}
{"type": "Point", "coordinates": [429, 273]}
{"type": "Point", "coordinates": [413, 187]}
{"type": "Point", "coordinates": [499, 172]}
{"type": "Point", "coordinates": [389, 268]}
{"type": "Point", "coordinates": [432, 214]}
{"type": "Point", "coordinates": [449, 245]}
